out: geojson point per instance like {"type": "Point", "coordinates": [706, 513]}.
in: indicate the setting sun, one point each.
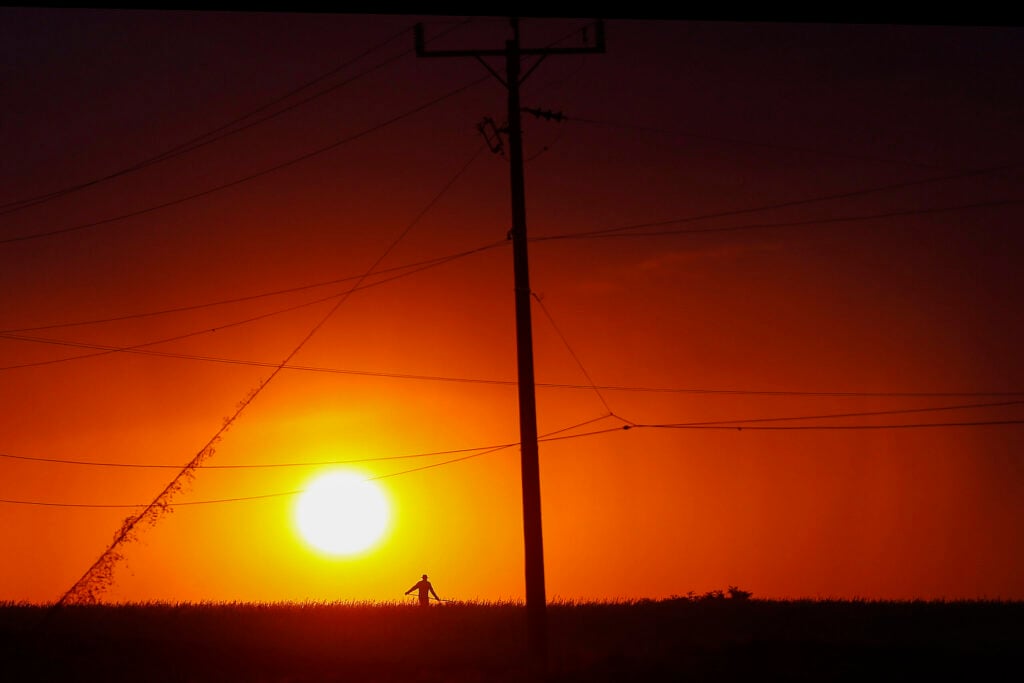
{"type": "Point", "coordinates": [342, 513]}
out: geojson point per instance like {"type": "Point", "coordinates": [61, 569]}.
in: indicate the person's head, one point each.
{"type": "Point", "coordinates": [424, 577]}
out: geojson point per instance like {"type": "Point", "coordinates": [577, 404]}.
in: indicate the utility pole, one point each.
{"type": "Point", "coordinates": [536, 600]}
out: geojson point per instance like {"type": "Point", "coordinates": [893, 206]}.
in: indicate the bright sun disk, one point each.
{"type": "Point", "coordinates": [342, 513]}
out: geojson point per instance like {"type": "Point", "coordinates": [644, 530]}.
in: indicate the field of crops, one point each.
{"type": "Point", "coordinates": [667, 640]}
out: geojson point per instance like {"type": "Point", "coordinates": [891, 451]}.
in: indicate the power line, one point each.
{"type": "Point", "coordinates": [298, 464]}
{"type": "Point", "coordinates": [251, 176]}
{"type": "Point", "coordinates": [549, 436]}
{"type": "Point", "coordinates": [251, 297]}
{"type": "Point", "coordinates": [794, 202]}
{"type": "Point", "coordinates": [748, 143]}
{"type": "Point", "coordinates": [750, 392]}
{"type": "Point", "coordinates": [228, 129]}
{"type": "Point", "coordinates": [870, 413]}
{"type": "Point", "coordinates": [581, 235]}
{"type": "Point", "coordinates": [572, 353]}
{"type": "Point", "coordinates": [480, 380]}
{"type": "Point", "coordinates": [105, 349]}
{"type": "Point", "coordinates": [546, 439]}
{"type": "Point", "coordinates": [136, 465]}
{"type": "Point", "coordinates": [488, 451]}
{"type": "Point", "coordinates": [924, 425]}
{"type": "Point", "coordinates": [203, 139]}
{"type": "Point", "coordinates": [606, 233]}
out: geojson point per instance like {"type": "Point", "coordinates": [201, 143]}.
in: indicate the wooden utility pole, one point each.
{"type": "Point", "coordinates": [536, 600]}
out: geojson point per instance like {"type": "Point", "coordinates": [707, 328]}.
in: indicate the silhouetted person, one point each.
{"type": "Point", "coordinates": [425, 589]}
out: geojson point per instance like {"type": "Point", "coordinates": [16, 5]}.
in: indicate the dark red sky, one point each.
{"type": "Point", "coordinates": [901, 277]}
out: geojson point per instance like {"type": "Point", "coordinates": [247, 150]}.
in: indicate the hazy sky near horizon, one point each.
{"type": "Point", "coordinates": [799, 220]}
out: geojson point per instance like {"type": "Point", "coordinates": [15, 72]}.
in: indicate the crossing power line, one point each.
{"type": "Point", "coordinates": [237, 124]}
{"type": "Point", "coordinates": [143, 348]}
{"type": "Point", "coordinates": [550, 436]}
{"type": "Point", "coordinates": [418, 265]}
{"type": "Point", "coordinates": [745, 143]}
{"type": "Point", "coordinates": [252, 176]}
{"type": "Point", "coordinates": [140, 349]}
{"type": "Point", "coordinates": [807, 200]}
{"type": "Point", "coordinates": [836, 427]}
{"type": "Point", "coordinates": [627, 427]}
{"type": "Point", "coordinates": [679, 425]}
{"type": "Point", "coordinates": [622, 231]}
{"type": "Point", "coordinates": [575, 357]}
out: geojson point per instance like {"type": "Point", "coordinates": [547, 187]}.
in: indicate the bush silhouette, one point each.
{"type": "Point", "coordinates": [737, 594]}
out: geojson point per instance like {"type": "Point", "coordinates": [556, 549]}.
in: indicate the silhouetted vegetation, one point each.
{"type": "Point", "coordinates": [720, 636]}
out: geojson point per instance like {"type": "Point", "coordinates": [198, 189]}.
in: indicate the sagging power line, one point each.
{"type": "Point", "coordinates": [236, 124]}
{"type": "Point", "coordinates": [746, 143]}
{"type": "Point", "coordinates": [143, 348]}
{"type": "Point", "coordinates": [798, 202]}
{"type": "Point", "coordinates": [140, 349]}
{"type": "Point", "coordinates": [622, 231]}
{"type": "Point", "coordinates": [252, 176]}
{"type": "Point", "coordinates": [628, 427]}
{"type": "Point", "coordinates": [628, 231]}
{"type": "Point", "coordinates": [550, 436]}
{"type": "Point", "coordinates": [418, 265]}
{"type": "Point", "coordinates": [680, 425]}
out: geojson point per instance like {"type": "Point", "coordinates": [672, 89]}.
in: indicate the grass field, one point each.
{"type": "Point", "coordinates": [667, 640]}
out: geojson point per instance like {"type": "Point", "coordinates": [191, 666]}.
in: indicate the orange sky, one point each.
{"type": "Point", "coordinates": [832, 315]}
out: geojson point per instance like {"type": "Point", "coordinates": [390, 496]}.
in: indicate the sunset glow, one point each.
{"type": "Point", "coordinates": [774, 280]}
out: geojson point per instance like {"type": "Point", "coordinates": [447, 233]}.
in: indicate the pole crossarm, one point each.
{"type": "Point", "coordinates": [597, 48]}
{"type": "Point", "coordinates": [526, 51]}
